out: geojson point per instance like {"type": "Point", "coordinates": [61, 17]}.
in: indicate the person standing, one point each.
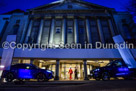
{"type": "Point", "coordinates": [70, 73]}
{"type": "Point", "coordinates": [76, 73]}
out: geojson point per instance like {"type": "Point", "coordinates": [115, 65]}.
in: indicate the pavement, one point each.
{"type": "Point", "coordinates": [113, 85]}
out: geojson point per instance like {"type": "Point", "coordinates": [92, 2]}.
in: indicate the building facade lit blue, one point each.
{"type": "Point", "coordinates": [67, 22]}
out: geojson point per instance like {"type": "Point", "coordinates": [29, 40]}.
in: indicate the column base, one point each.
{"type": "Point", "coordinates": [56, 78]}
{"type": "Point", "coordinates": [86, 78]}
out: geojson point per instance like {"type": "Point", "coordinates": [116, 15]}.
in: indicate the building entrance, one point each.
{"type": "Point", "coordinates": [71, 70]}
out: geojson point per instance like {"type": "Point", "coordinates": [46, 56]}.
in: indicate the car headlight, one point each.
{"type": "Point", "coordinates": [49, 71]}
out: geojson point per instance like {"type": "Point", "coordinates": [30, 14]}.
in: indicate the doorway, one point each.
{"type": "Point", "coordinates": [65, 67]}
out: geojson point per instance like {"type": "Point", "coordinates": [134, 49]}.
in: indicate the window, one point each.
{"type": "Point", "coordinates": [58, 29]}
{"type": "Point", "coordinates": [118, 64]}
{"type": "Point", "coordinates": [70, 30]}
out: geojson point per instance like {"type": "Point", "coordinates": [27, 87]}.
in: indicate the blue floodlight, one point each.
{"type": "Point", "coordinates": [25, 74]}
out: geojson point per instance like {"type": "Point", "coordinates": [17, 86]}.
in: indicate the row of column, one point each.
{"type": "Point", "coordinates": [76, 40]}
{"type": "Point", "coordinates": [57, 70]}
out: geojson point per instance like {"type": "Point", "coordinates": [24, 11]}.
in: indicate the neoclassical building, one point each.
{"type": "Point", "coordinates": [66, 22]}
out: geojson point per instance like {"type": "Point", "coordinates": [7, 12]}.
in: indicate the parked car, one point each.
{"type": "Point", "coordinates": [26, 71]}
{"type": "Point", "coordinates": [114, 69]}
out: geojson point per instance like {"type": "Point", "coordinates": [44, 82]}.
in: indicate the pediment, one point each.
{"type": "Point", "coordinates": [75, 5]}
{"type": "Point", "coordinates": [69, 6]}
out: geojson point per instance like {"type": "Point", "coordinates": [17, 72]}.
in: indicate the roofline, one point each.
{"type": "Point", "coordinates": [82, 2]}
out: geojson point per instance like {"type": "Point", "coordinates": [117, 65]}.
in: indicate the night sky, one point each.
{"type": "Point", "coordinates": [9, 5]}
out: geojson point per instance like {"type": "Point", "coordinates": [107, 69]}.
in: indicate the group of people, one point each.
{"type": "Point", "coordinates": [75, 73]}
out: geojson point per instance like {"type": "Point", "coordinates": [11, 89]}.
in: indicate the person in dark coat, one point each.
{"type": "Point", "coordinates": [76, 73]}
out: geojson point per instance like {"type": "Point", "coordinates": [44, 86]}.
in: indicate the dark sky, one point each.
{"type": "Point", "coordinates": [8, 5]}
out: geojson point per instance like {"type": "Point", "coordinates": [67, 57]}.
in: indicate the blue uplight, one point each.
{"type": "Point", "coordinates": [123, 69]}
{"type": "Point", "coordinates": [25, 74]}
{"type": "Point", "coordinates": [121, 74]}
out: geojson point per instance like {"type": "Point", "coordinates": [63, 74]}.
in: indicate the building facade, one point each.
{"type": "Point", "coordinates": [67, 22]}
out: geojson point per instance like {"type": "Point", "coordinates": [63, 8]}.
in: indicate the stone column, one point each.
{"type": "Point", "coordinates": [76, 31]}
{"type": "Point", "coordinates": [40, 32]}
{"type": "Point", "coordinates": [111, 27]}
{"type": "Point", "coordinates": [29, 31]}
{"type": "Point", "coordinates": [88, 30]}
{"type": "Point", "coordinates": [64, 27]}
{"type": "Point", "coordinates": [31, 61]}
{"type": "Point", "coordinates": [100, 31]}
{"type": "Point", "coordinates": [81, 71]}
{"type": "Point", "coordinates": [85, 70]}
{"type": "Point", "coordinates": [57, 70]}
{"type": "Point", "coordinates": [60, 70]}
{"type": "Point", "coordinates": [52, 31]}
{"type": "Point", "coordinates": [24, 31]}
{"type": "Point", "coordinates": [64, 71]}
{"type": "Point", "coordinates": [40, 65]}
